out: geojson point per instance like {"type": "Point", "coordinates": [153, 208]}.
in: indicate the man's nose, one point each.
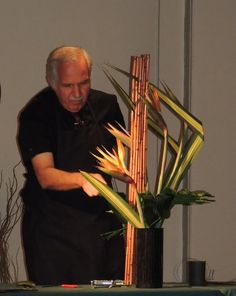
{"type": "Point", "coordinates": [76, 90]}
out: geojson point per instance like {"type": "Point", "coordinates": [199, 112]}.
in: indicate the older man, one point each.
{"type": "Point", "coordinates": [64, 216]}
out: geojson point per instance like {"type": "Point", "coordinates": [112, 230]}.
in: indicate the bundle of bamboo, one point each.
{"type": "Point", "coordinates": [138, 151]}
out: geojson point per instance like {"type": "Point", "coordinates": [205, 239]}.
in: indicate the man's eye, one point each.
{"type": "Point", "coordinates": [85, 82]}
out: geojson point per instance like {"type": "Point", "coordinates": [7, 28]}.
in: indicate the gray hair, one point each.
{"type": "Point", "coordinates": [65, 54]}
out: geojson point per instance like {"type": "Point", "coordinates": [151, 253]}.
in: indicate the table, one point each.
{"type": "Point", "coordinates": [12, 290]}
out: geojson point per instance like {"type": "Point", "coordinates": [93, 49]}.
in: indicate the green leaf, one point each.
{"type": "Point", "coordinates": [174, 164]}
{"type": "Point", "coordinates": [127, 74]}
{"type": "Point", "coordinates": [190, 152]}
{"type": "Point", "coordinates": [110, 234]}
{"type": "Point", "coordinates": [201, 193]}
{"type": "Point", "coordinates": [156, 209]}
{"type": "Point", "coordinates": [169, 100]}
{"type": "Point", "coordinates": [115, 200]}
{"type": "Point", "coordinates": [187, 197]}
{"type": "Point", "coordinates": [169, 93]}
{"type": "Point", "coordinates": [180, 111]}
{"type": "Point", "coordinates": [156, 129]}
{"type": "Point", "coordinates": [152, 124]}
{"type": "Point", "coordinates": [162, 161]}
{"type": "Point", "coordinates": [122, 93]}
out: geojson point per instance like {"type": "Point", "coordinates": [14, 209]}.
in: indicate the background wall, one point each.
{"type": "Point", "coordinates": [112, 31]}
{"type": "Point", "coordinates": [213, 227]}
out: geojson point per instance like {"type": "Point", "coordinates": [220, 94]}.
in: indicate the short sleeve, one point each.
{"type": "Point", "coordinates": [33, 136]}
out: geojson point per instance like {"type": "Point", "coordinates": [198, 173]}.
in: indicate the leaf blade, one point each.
{"type": "Point", "coordinates": [115, 200]}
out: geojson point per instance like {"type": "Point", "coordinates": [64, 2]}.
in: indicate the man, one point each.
{"type": "Point", "coordinates": [64, 216]}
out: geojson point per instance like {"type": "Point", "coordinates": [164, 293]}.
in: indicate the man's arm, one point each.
{"type": "Point", "coordinates": [51, 178]}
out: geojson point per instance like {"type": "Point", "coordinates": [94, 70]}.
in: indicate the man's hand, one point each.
{"type": "Point", "coordinates": [88, 188]}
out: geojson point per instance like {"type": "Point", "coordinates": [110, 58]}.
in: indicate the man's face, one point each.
{"type": "Point", "coordinates": [72, 85]}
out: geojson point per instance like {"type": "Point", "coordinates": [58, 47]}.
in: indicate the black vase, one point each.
{"type": "Point", "coordinates": [149, 257]}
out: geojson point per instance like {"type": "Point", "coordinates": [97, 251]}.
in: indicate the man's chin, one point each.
{"type": "Point", "coordinates": [76, 106]}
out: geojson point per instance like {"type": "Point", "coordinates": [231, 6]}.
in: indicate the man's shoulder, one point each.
{"type": "Point", "coordinates": [101, 95]}
{"type": "Point", "coordinates": [105, 107]}
{"type": "Point", "coordinates": [42, 103]}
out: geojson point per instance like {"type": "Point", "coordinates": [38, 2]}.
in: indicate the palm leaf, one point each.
{"type": "Point", "coordinates": [193, 147]}
{"type": "Point", "coordinates": [180, 111]}
{"type": "Point", "coordinates": [152, 125]}
{"type": "Point", "coordinates": [122, 93]}
{"type": "Point", "coordinates": [115, 200]}
{"type": "Point", "coordinates": [187, 197]}
{"type": "Point", "coordinates": [171, 171]}
{"type": "Point", "coordinates": [127, 74]}
{"type": "Point", "coordinates": [171, 102]}
{"type": "Point", "coordinates": [170, 93]}
{"type": "Point", "coordinates": [156, 129]}
{"type": "Point", "coordinates": [157, 117]}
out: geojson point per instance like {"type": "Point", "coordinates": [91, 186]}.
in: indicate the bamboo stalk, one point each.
{"type": "Point", "coordinates": [137, 162]}
{"type": "Point", "coordinates": [130, 235]}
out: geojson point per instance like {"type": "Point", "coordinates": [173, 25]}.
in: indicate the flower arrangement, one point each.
{"type": "Point", "coordinates": [146, 209]}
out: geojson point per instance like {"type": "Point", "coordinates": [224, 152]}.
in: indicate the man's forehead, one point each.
{"type": "Point", "coordinates": [73, 69]}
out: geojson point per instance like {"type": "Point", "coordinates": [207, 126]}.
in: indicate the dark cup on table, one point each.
{"type": "Point", "coordinates": [196, 272]}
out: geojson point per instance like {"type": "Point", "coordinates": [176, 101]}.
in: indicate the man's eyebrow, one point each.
{"type": "Point", "coordinates": [81, 82]}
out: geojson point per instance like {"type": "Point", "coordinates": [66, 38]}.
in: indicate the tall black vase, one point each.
{"type": "Point", "coordinates": [149, 257]}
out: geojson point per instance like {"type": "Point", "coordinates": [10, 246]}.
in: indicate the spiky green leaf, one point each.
{"type": "Point", "coordinates": [115, 200]}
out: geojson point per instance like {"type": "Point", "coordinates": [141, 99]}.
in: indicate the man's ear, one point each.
{"type": "Point", "coordinates": [51, 83]}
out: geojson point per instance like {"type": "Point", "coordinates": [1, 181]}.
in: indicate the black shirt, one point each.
{"type": "Point", "coordinates": [43, 120]}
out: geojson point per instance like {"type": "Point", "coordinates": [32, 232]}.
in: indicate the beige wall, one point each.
{"type": "Point", "coordinates": [171, 70]}
{"type": "Point", "coordinates": [113, 30]}
{"type": "Point", "coordinates": [213, 227]}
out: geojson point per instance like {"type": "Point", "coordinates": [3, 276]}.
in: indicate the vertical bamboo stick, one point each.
{"type": "Point", "coordinates": [139, 68]}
